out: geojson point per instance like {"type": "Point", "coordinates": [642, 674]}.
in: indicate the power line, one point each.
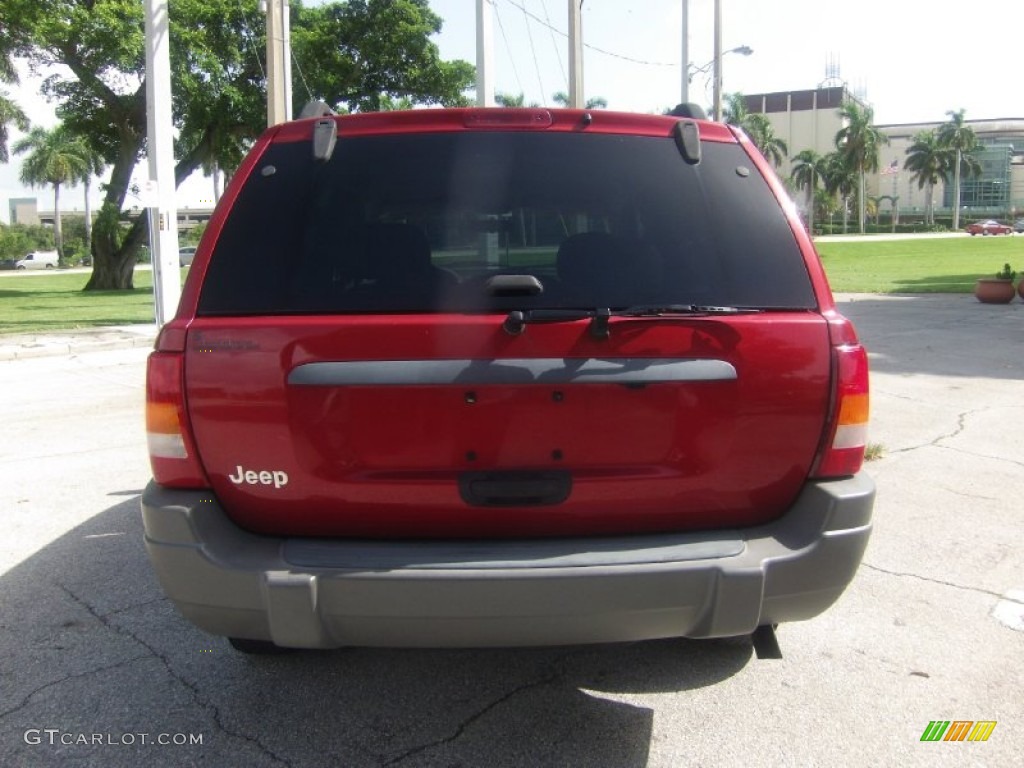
{"type": "Point", "coordinates": [508, 48]}
{"type": "Point", "coordinates": [536, 64]}
{"type": "Point", "coordinates": [587, 45]}
{"type": "Point", "coordinates": [554, 44]}
{"type": "Point", "coordinates": [248, 38]}
{"type": "Point", "coordinates": [302, 77]}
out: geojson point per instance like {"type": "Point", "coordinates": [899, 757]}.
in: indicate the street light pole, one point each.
{"type": "Point", "coordinates": [685, 90]}
{"type": "Point", "coordinates": [576, 100]}
{"type": "Point", "coordinates": [276, 112]}
{"type": "Point", "coordinates": [484, 55]}
{"type": "Point", "coordinates": [163, 210]}
{"type": "Point", "coordinates": [717, 111]}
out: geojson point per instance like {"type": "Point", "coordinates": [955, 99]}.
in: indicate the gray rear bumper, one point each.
{"type": "Point", "coordinates": [328, 593]}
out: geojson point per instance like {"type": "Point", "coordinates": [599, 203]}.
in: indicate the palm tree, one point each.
{"type": "Point", "coordinates": [957, 136]}
{"type": "Point", "coordinates": [929, 163]}
{"type": "Point", "coordinates": [54, 157]}
{"type": "Point", "coordinates": [808, 170]}
{"type": "Point", "coordinates": [508, 100]}
{"type": "Point", "coordinates": [761, 132]}
{"type": "Point", "coordinates": [858, 141]}
{"type": "Point", "coordinates": [10, 114]}
{"type": "Point", "coordinates": [756, 126]}
{"type": "Point", "coordinates": [735, 110]}
{"type": "Point", "coordinates": [597, 102]}
{"type": "Point", "coordinates": [94, 166]}
{"type": "Point", "coordinates": [840, 179]}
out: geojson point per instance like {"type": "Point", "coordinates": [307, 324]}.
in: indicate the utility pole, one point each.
{"type": "Point", "coordinates": [163, 209]}
{"type": "Point", "coordinates": [718, 61]}
{"type": "Point", "coordinates": [286, 54]}
{"type": "Point", "coordinates": [576, 100]}
{"type": "Point", "coordinates": [484, 54]}
{"type": "Point", "coordinates": [278, 87]}
{"type": "Point", "coordinates": [685, 91]}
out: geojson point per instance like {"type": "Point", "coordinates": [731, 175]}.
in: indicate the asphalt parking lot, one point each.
{"type": "Point", "coordinates": [96, 668]}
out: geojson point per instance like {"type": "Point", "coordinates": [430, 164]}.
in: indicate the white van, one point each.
{"type": "Point", "coordinates": [37, 260]}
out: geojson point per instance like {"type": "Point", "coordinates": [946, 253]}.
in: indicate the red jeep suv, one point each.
{"type": "Point", "coordinates": [504, 377]}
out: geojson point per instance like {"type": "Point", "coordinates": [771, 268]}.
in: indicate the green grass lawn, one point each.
{"type": "Point", "coordinates": [928, 265]}
{"type": "Point", "coordinates": [56, 301]}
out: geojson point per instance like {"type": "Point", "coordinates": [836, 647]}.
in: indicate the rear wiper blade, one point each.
{"type": "Point", "coordinates": [658, 310]}
{"type": "Point", "coordinates": [517, 321]}
{"type": "Point", "coordinates": [600, 329]}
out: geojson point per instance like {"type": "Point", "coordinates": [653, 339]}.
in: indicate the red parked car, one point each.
{"type": "Point", "coordinates": [504, 377]}
{"type": "Point", "coordinates": [989, 227]}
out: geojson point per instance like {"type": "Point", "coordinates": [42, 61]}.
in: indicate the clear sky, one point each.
{"type": "Point", "coordinates": [912, 60]}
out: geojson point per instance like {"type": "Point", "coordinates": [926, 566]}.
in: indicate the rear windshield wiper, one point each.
{"type": "Point", "coordinates": [517, 320]}
{"type": "Point", "coordinates": [599, 328]}
{"type": "Point", "coordinates": [658, 310]}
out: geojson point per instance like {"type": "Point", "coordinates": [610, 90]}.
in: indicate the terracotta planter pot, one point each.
{"type": "Point", "coordinates": [1020, 290]}
{"type": "Point", "coordinates": [991, 290]}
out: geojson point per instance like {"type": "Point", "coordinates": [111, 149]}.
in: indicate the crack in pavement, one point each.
{"type": "Point", "coordinates": [132, 607]}
{"type": "Point", "coordinates": [981, 455]}
{"type": "Point", "coordinates": [27, 698]}
{"type": "Point", "coordinates": [196, 694]}
{"type": "Point", "coordinates": [469, 721]}
{"type": "Point", "coordinates": [961, 426]}
{"type": "Point", "coordinates": [940, 582]}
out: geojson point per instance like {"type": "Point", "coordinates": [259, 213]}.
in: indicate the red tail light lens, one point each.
{"type": "Point", "coordinates": [172, 452]}
{"type": "Point", "coordinates": [847, 433]}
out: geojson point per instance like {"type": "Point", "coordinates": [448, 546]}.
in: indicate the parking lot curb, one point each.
{"type": "Point", "coordinates": [22, 346]}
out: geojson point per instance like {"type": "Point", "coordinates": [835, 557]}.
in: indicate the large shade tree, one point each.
{"type": "Point", "coordinates": [960, 138]}
{"type": "Point", "coordinates": [55, 157]}
{"type": "Point", "coordinates": [858, 142]}
{"type": "Point", "coordinates": [357, 56]}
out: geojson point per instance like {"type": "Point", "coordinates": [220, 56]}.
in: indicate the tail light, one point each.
{"type": "Point", "coordinates": [846, 434]}
{"type": "Point", "coordinates": [172, 453]}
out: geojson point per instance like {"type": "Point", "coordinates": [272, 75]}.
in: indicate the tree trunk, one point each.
{"type": "Point", "coordinates": [216, 182]}
{"type": "Point", "coordinates": [861, 202]}
{"type": "Point", "coordinates": [810, 205]}
{"type": "Point", "coordinates": [58, 232]}
{"type": "Point", "coordinates": [115, 271]}
{"type": "Point", "coordinates": [956, 191]}
{"type": "Point", "coordinates": [88, 214]}
{"type": "Point", "coordinates": [114, 257]}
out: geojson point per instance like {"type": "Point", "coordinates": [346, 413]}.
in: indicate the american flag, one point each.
{"type": "Point", "coordinates": [891, 168]}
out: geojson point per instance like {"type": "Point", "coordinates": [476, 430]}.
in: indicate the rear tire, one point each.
{"type": "Point", "coordinates": [256, 647]}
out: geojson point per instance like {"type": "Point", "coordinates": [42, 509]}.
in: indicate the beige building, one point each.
{"type": "Point", "coordinates": [810, 120]}
{"type": "Point", "coordinates": [23, 211]}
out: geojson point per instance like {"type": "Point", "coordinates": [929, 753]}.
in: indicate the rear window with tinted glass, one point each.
{"type": "Point", "coordinates": [422, 222]}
